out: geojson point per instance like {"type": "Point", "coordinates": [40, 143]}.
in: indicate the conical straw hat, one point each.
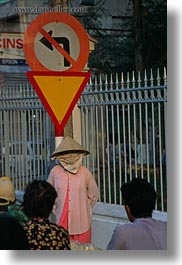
{"type": "Point", "coordinates": [68, 145]}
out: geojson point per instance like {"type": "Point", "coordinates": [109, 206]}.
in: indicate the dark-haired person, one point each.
{"type": "Point", "coordinates": [42, 234]}
{"type": "Point", "coordinates": [144, 232]}
{"type": "Point", "coordinates": [13, 236]}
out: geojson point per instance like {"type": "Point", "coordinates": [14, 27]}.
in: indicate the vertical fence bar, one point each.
{"type": "Point", "coordinates": [134, 125]}
{"type": "Point", "coordinates": [103, 148]}
{"type": "Point", "coordinates": [140, 134]}
{"type": "Point", "coordinates": [124, 128]}
{"type": "Point", "coordinates": [119, 140]}
{"type": "Point", "coordinates": [127, 150]}
{"type": "Point", "coordinates": [160, 142]}
{"type": "Point", "coordinates": [146, 129]}
{"type": "Point", "coordinates": [164, 138]}
{"type": "Point", "coordinates": [113, 140]}
{"type": "Point", "coordinates": [152, 97]}
{"type": "Point", "coordinates": [97, 150]}
{"type": "Point", "coordinates": [108, 144]}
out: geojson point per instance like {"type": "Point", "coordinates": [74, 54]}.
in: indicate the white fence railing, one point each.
{"type": "Point", "coordinates": [25, 135]}
{"type": "Point", "coordinates": [124, 126]}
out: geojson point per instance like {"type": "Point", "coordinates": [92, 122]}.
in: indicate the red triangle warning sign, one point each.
{"type": "Point", "coordinates": [59, 92]}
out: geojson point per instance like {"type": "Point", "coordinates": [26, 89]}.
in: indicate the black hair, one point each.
{"type": "Point", "coordinates": [13, 236]}
{"type": "Point", "coordinates": [39, 199]}
{"type": "Point", "coordinates": [140, 196]}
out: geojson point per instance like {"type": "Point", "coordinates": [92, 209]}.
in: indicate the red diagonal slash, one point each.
{"type": "Point", "coordinates": [57, 46]}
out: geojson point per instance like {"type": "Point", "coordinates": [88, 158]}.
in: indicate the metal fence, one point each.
{"type": "Point", "coordinates": [123, 125]}
{"type": "Point", "coordinates": [123, 119]}
{"type": "Point", "coordinates": [25, 134]}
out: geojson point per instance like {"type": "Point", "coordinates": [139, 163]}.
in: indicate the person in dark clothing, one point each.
{"type": "Point", "coordinates": [8, 200]}
{"type": "Point", "coordinates": [13, 236]}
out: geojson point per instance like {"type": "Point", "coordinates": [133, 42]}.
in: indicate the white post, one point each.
{"type": "Point", "coordinates": [59, 135]}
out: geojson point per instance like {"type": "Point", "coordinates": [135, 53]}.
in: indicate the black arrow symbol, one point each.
{"type": "Point", "coordinates": [60, 40]}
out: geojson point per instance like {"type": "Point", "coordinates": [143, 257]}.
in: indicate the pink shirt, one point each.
{"type": "Point", "coordinates": [83, 193]}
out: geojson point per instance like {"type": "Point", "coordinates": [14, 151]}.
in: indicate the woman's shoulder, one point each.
{"type": "Point", "coordinates": [59, 228]}
{"type": "Point", "coordinates": [56, 168]}
{"type": "Point", "coordinates": [85, 169]}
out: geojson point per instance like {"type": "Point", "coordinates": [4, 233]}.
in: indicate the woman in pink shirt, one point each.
{"type": "Point", "coordinates": [76, 188]}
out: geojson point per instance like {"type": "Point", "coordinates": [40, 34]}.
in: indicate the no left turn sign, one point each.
{"type": "Point", "coordinates": [56, 42]}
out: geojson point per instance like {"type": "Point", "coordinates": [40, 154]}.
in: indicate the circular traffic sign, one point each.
{"type": "Point", "coordinates": [56, 42]}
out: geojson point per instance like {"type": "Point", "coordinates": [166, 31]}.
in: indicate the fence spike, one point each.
{"type": "Point", "coordinates": [165, 76]}
{"type": "Point", "coordinates": [158, 77]}
{"type": "Point", "coordinates": [128, 80]}
{"type": "Point", "coordinates": [133, 78]}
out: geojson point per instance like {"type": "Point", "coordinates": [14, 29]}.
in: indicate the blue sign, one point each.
{"type": "Point", "coordinates": [7, 61]}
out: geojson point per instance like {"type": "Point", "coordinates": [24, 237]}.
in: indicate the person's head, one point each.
{"type": "Point", "coordinates": [69, 153]}
{"type": "Point", "coordinates": [39, 199]}
{"type": "Point", "coordinates": [7, 192]}
{"type": "Point", "coordinates": [139, 198]}
{"type": "Point", "coordinates": [13, 236]}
